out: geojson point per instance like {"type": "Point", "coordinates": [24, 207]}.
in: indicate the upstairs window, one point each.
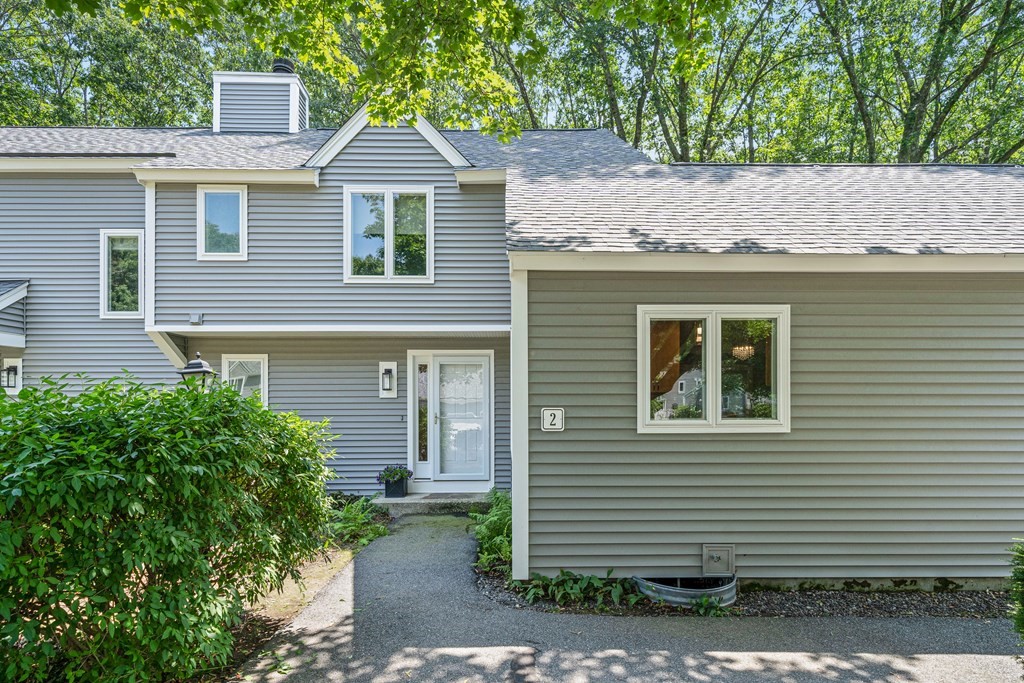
{"type": "Point", "coordinates": [222, 229]}
{"type": "Point", "coordinates": [389, 234]}
{"type": "Point", "coordinates": [121, 273]}
{"type": "Point", "coordinates": [713, 369]}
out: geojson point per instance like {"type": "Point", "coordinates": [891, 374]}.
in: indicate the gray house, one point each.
{"type": "Point", "coordinates": [806, 372]}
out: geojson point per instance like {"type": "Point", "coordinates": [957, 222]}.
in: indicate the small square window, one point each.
{"type": "Point", "coordinates": [389, 234]}
{"type": "Point", "coordinates": [121, 274]}
{"type": "Point", "coordinates": [713, 369]}
{"type": "Point", "coordinates": [222, 222]}
{"type": "Point", "coordinates": [247, 374]}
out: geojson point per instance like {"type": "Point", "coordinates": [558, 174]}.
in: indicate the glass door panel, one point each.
{"type": "Point", "coordinates": [463, 416]}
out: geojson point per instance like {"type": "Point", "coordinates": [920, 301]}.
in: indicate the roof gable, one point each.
{"type": "Point", "coordinates": [359, 120]}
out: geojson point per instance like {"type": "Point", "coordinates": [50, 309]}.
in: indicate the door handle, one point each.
{"type": "Point", "coordinates": [435, 418]}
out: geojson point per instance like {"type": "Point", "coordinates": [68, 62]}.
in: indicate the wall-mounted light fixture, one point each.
{"type": "Point", "coordinates": [9, 373]}
{"type": "Point", "coordinates": [388, 378]}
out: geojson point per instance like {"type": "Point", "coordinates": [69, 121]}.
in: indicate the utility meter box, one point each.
{"type": "Point", "coordinates": [719, 559]}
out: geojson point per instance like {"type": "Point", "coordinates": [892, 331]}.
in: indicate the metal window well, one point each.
{"type": "Point", "coordinates": [684, 591]}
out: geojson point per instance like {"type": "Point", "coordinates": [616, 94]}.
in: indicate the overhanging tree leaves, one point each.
{"type": "Point", "coordinates": [405, 48]}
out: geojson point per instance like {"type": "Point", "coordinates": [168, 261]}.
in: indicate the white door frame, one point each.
{"type": "Point", "coordinates": [447, 485]}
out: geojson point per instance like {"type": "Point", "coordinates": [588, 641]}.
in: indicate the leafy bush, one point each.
{"type": "Point", "coordinates": [357, 521]}
{"type": "Point", "coordinates": [1017, 588]}
{"type": "Point", "coordinates": [493, 531]}
{"type": "Point", "coordinates": [576, 589]}
{"type": "Point", "coordinates": [135, 523]}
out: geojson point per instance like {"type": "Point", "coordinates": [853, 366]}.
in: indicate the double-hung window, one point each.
{"type": "Point", "coordinates": [121, 274]}
{"type": "Point", "coordinates": [713, 369]}
{"type": "Point", "coordinates": [222, 222]}
{"type": "Point", "coordinates": [389, 234]}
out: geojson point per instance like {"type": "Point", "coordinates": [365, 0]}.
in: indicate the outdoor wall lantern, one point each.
{"type": "Point", "coordinates": [388, 387]}
{"type": "Point", "coordinates": [197, 367]}
{"type": "Point", "coordinates": [9, 379]}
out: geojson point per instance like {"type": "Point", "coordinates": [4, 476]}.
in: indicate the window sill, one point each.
{"type": "Point", "coordinates": [381, 280]}
{"type": "Point", "coordinates": [738, 427]}
{"type": "Point", "coordinates": [222, 257]}
{"type": "Point", "coordinates": [122, 316]}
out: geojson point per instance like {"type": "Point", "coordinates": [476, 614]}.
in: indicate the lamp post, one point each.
{"type": "Point", "coordinates": [197, 367]}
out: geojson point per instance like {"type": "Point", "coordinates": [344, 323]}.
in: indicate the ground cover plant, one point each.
{"type": "Point", "coordinates": [136, 523]}
{"type": "Point", "coordinates": [493, 531]}
{"type": "Point", "coordinates": [355, 520]}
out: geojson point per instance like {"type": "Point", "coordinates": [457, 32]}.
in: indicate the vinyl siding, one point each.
{"type": "Point", "coordinates": [12, 318]}
{"type": "Point", "coordinates": [295, 261]}
{"type": "Point", "coordinates": [303, 110]}
{"type": "Point", "coordinates": [337, 379]}
{"type": "Point", "coordinates": [905, 457]}
{"type": "Point", "coordinates": [260, 107]}
{"type": "Point", "coordinates": [50, 234]}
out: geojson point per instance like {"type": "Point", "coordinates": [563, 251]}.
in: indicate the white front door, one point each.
{"type": "Point", "coordinates": [452, 421]}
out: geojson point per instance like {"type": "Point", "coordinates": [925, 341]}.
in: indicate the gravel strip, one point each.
{"type": "Point", "coordinates": [812, 603]}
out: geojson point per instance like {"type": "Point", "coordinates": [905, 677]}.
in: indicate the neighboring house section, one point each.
{"type": "Point", "coordinates": [357, 274]}
{"type": "Point", "coordinates": [856, 333]}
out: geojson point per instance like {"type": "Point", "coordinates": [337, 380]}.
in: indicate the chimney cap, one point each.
{"type": "Point", "coordinates": [283, 65]}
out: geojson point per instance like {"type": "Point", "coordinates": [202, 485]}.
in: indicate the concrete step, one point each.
{"type": "Point", "coordinates": [435, 504]}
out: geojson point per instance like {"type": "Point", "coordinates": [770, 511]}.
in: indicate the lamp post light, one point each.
{"type": "Point", "coordinates": [197, 367]}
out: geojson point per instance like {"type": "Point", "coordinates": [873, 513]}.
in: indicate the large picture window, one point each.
{"type": "Point", "coordinates": [389, 234]}
{"type": "Point", "coordinates": [121, 273]}
{"type": "Point", "coordinates": [713, 369]}
{"type": "Point", "coordinates": [222, 229]}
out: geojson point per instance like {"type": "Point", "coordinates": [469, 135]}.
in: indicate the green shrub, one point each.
{"type": "Point", "coordinates": [1017, 588]}
{"type": "Point", "coordinates": [357, 521]}
{"type": "Point", "coordinates": [493, 531]}
{"type": "Point", "coordinates": [136, 522]}
{"type": "Point", "coordinates": [577, 589]}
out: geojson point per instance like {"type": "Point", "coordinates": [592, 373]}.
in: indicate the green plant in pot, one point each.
{"type": "Point", "coordinates": [394, 478]}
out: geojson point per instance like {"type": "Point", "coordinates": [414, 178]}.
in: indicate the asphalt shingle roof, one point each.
{"type": "Point", "coordinates": [170, 147]}
{"type": "Point", "coordinates": [768, 209]}
{"type": "Point", "coordinates": [586, 190]}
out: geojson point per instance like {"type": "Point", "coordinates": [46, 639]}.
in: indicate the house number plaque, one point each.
{"type": "Point", "coordinates": [552, 419]}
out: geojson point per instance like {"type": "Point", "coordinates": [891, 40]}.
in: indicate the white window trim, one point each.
{"type": "Point", "coordinates": [18, 383]}
{"type": "Point", "coordinates": [243, 223]}
{"type": "Point", "coordinates": [712, 370]}
{"type": "Point", "coordinates": [105, 313]}
{"type": "Point", "coordinates": [264, 380]}
{"type": "Point", "coordinates": [389, 235]}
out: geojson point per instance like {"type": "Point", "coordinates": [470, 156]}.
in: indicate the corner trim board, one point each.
{"type": "Point", "coordinates": [520, 437]}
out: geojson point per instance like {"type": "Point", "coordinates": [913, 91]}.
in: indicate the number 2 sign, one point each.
{"type": "Point", "coordinates": [552, 419]}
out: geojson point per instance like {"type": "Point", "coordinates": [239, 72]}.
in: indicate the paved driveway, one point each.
{"type": "Point", "coordinates": [407, 610]}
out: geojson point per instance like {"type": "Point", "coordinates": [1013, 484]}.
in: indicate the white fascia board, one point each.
{"type": "Point", "coordinates": [14, 296]}
{"type": "Point", "coordinates": [14, 341]}
{"type": "Point", "coordinates": [662, 262]}
{"type": "Point", "coordinates": [253, 77]}
{"type": "Point", "coordinates": [169, 348]}
{"type": "Point", "coordinates": [71, 164]}
{"type": "Point", "coordinates": [480, 176]}
{"type": "Point", "coordinates": [283, 330]}
{"type": "Point", "coordinates": [252, 176]}
{"type": "Point", "coordinates": [359, 120]}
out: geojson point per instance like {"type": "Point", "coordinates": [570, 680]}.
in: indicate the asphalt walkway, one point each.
{"type": "Point", "coordinates": [407, 609]}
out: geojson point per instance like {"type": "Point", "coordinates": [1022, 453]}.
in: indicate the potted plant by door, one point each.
{"type": "Point", "coordinates": [394, 478]}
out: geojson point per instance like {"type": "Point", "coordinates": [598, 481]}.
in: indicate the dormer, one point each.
{"type": "Point", "coordinates": [275, 102]}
